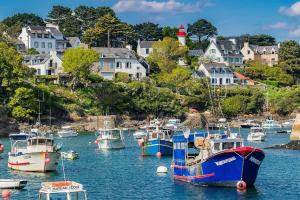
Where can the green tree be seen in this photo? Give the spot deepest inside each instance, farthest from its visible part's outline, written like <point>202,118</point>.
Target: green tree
<point>32,51</point>
<point>77,62</point>
<point>166,54</point>
<point>59,14</point>
<point>289,50</point>
<point>262,40</point>
<point>168,31</point>
<point>122,77</point>
<point>23,104</point>
<point>202,29</point>
<point>148,31</point>
<point>107,25</point>
<point>71,27</point>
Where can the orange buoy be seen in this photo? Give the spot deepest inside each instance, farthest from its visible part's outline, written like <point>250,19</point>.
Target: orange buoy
<point>158,154</point>
<point>241,185</point>
<point>6,194</point>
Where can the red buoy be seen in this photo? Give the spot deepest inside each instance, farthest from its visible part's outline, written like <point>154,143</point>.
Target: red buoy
<point>140,142</point>
<point>6,194</point>
<point>96,142</point>
<point>158,155</point>
<point>241,185</point>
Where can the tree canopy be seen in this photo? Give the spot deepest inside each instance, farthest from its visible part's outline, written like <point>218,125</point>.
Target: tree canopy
<point>262,40</point>
<point>148,31</point>
<point>202,29</point>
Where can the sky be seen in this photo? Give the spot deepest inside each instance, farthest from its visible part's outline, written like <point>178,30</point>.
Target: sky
<point>279,18</point>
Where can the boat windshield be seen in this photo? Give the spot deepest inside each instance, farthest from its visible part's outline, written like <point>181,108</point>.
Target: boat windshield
<point>63,196</point>
<point>256,130</point>
<point>40,141</point>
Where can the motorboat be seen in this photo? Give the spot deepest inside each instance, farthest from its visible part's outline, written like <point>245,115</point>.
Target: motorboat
<point>249,123</point>
<point>68,190</point>
<point>110,138</point>
<point>288,124</point>
<point>215,159</point>
<point>70,155</point>
<point>256,134</point>
<point>35,154</point>
<point>23,135</point>
<point>157,142</point>
<point>271,124</point>
<point>141,133</point>
<point>67,131</point>
<point>173,124</point>
<point>12,184</point>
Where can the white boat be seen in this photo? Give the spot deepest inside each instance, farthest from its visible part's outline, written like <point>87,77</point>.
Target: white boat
<point>36,154</point>
<point>12,184</point>
<point>110,139</point>
<point>67,131</point>
<point>141,133</point>
<point>271,124</point>
<point>288,124</point>
<point>249,123</point>
<point>256,134</point>
<point>63,190</point>
<point>173,124</point>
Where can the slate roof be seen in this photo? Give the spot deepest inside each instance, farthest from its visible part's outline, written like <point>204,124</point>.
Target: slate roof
<point>198,73</point>
<point>228,48</point>
<point>72,41</point>
<point>121,53</point>
<point>217,68</point>
<point>260,49</point>
<point>195,52</point>
<point>146,44</point>
<point>41,57</point>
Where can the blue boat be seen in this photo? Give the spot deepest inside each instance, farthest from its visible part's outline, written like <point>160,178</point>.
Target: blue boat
<point>157,143</point>
<point>215,159</point>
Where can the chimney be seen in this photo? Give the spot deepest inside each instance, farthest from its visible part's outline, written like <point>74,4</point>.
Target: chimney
<point>128,46</point>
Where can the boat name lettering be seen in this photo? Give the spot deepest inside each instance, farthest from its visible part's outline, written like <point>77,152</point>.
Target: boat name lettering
<point>254,160</point>
<point>228,160</point>
<point>65,188</point>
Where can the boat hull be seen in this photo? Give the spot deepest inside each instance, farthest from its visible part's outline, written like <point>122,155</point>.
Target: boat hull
<point>225,169</point>
<point>67,134</point>
<point>256,137</point>
<point>34,162</point>
<point>110,144</point>
<point>12,184</point>
<point>152,147</point>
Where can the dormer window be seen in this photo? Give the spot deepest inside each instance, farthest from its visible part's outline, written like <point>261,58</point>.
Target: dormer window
<point>39,35</point>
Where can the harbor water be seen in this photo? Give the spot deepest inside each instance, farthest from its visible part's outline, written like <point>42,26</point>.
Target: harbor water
<point>124,174</point>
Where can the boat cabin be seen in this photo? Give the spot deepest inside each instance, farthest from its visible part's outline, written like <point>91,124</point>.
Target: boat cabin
<point>256,129</point>
<point>62,190</point>
<point>34,144</point>
<point>201,145</point>
<point>160,134</point>
<point>109,134</point>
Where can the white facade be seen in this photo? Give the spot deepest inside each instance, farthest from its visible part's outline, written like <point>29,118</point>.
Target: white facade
<point>219,74</point>
<point>43,39</point>
<point>47,64</point>
<point>114,60</point>
<point>144,48</point>
<point>225,52</point>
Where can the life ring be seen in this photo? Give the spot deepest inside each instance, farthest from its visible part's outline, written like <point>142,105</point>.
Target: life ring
<point>241,185</point>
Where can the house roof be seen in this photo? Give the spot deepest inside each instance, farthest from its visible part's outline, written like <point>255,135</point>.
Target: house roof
<point>195,52</point>
<point>243,77</point>
<point>261,49</point>
<point>115,53</point>
<point>37,29</point>
<point>146,44</point>
<point>72,41</point>
<point>198,73</point>
<point>229,48</point>
<point>217,68</point>
<point>41,57</point>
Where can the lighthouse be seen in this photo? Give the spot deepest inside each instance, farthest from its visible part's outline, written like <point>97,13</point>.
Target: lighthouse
<point>182,35</point>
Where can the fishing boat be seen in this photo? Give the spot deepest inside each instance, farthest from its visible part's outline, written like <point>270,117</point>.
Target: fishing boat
<point>157,142</point>
<point>67,131</point>
<point>110,138</point>
<point>215,159</point>
<point>12,184</point>
<point>271,124</point>
<point>62,190</point>
<point>249,123</point>
<point>256,134</point>
<point>35,154</point>
<point>70,155</point>
<point>141,133</point>
<point>173,124</point>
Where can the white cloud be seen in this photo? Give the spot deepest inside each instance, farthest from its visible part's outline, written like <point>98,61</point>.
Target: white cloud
<point>154,6</point>
<point>278,25</point>
<point>295,32</point>
<point>293,10</point>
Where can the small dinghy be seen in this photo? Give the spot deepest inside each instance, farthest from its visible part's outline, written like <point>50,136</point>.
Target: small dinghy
<point>12,184</point>
<point>70,155</point>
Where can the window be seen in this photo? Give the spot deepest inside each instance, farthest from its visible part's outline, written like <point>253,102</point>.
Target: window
<point>128,65</point>
<point>238,144</point>
<point>228,80</point>
<point>227,145</point>
<point>231,60</point>
<point>49,45</point>
<point>273,52</point>
<point>213,80</point>
<point>248,52</point>
<point>147,51</point>
<point>39,35</point>
<point>101,64</point>
<point>36,44</point>
<point>46,35</point>
<point>43,45</point>
<point>237,60</point>
<point>119,65</point>
<point>38,72</point>
<point>217,146</point>
<point>111,64</point>
<point>33,35</point>
<point>213,51</point>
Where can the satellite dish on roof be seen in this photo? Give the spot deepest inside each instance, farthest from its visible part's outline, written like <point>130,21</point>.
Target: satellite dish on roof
<point>186,133</point>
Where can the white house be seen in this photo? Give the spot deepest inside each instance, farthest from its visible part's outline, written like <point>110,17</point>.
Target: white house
<point>218,73</point>
<point>114,60</point>
<point>45,64</point>
<point>43,38</point>
<point>144,48</point>
<point>225,51</point>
